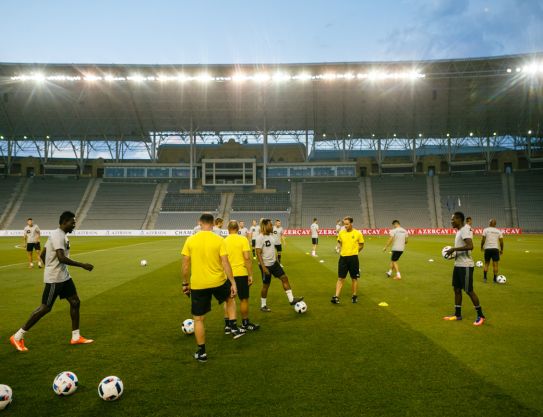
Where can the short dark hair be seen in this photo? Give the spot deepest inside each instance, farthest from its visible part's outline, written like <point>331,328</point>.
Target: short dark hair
<point>233,225</point>
<point>348,218</point>
<point>264,222</point>
<point>395,221</point>
<point>64,217</point>
<point>314,219</point>
<point>459,214</point>
<point>468,218</point>
<point>30,218</point>
<point>218,220</point>
<point>206,218</point>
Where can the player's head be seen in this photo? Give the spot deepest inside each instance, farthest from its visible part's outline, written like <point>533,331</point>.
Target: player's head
<point>468,220</point>
<point>206,220</point>
<point>314,220</point>
<point>492,223</point>
<point>67,222</point>
<point>266,226</point>
<point>254,222</point>
<point>219,222</point>
<point>348,223</point>
<point>338,221</point>
<point>396,223</point>
<point>29,221</point>
<point>241,224</point>
<point>457,219</point>
<point>233,227</point>
<point>277,222</point>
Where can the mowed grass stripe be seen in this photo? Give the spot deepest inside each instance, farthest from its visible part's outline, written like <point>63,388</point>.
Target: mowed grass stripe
<point>349,361</point>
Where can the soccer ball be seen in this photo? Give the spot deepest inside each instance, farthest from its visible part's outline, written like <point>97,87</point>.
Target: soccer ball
<point>300,307</point>
<point>500,279</point>
<point>6,395</point>
<point>479,264</point>
<point>110,388</point>
<point>143,262</point>
<point>444,253</point>
<point>65,383</point>
<point>188,326</point>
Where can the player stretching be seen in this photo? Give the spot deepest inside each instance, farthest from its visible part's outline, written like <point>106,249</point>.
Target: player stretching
<point>267,259</point>
<point>31,234</point>
<point>205,262</point>
<point>239,256</point>
<point>463,269</point>
<point>58,282</point>
<point>351,243</point>
<point>398,238</point>
<point>279,238</point>
<point>492,244</point>
<point>314,236</point>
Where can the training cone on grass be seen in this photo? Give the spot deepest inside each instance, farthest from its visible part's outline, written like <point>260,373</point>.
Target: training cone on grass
<point>383,304</point>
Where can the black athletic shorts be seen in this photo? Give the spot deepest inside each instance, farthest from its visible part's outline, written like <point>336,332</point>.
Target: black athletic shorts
<point>396,254</point>
<point>33,246</point>
<point>276,270</point>
<point>253,243</point>
<point>201,299</point>
<point>278,248</point>
<point>493,254</point>
<point>59,289</point>
<point>463,278</point>
<point>243,287</point>
<point>348,264</point>
<point>315,240</point>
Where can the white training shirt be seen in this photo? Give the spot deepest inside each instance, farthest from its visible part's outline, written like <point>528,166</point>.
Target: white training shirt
<point>217,230</point>
<point>493,236</point>
<point>338,228</point>
<point>243,231</point>
<point>255,232</point>
<point>266,243</point>
<point>314,230</point>
<point>277,234</point>
<point>55,271</point>
<point>399,235</point>
<point>32,233</point>
<point>463,258</point>
<point>196,229</point>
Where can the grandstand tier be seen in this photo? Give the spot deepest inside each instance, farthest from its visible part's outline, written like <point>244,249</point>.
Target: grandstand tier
<point>529,200</point>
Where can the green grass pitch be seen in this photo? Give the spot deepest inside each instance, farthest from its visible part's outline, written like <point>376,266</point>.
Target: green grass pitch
<point>359,360</point>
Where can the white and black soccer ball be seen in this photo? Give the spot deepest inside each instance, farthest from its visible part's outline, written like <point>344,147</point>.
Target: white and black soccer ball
<point>445,255</point>
<point>110,388</point>
<point>65,383</point>
<point>479,264</point>
<point>188,326</point>
<point>300,307</point>
<point>6,395</point>
<point>500,279</point>
<point>143,262</point>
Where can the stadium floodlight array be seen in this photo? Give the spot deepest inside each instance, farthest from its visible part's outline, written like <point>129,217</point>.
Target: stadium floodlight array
<point>259,77</point>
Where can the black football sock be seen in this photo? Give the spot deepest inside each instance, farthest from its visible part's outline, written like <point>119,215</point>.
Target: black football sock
<point>479,311</point>
<point>457,311</point>
<point>202,348</point>
<point>485,274</point>
<point>226,321</point>
<point>245,321</point>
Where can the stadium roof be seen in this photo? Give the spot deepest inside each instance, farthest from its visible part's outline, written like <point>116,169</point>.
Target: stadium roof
<point>332,100</point>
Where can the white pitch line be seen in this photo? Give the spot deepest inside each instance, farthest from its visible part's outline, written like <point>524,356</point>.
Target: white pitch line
<point>86,253</point>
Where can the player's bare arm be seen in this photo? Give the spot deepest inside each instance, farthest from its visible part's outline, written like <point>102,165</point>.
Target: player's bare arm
<point>185,272</point>
<point>230,275</point>
<point>261,261</point>
<point>62,258</point>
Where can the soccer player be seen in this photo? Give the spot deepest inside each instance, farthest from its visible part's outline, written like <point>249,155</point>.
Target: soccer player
<point>197,228</point>
<point>243,231</point>
<point>267,260</point>
<point>58,282</point>
<point>279,238</point>
<point>205,262</point>
<point>239,256</point>
<point>217,228</point>
<point>469,220</point>
<point>398,239</point>
<point>492,244</point>
<point>31,234</point>
<point>351,243</point>
<point>314,236</point>
<point>254,231</point>
<point>463,269</point>
<point>339,227</point>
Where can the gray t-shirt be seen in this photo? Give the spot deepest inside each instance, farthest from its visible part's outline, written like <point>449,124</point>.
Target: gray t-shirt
<point>243,231</point>
<point>277,235</point>
<point>55,271</point>
<point>255,232</point>
<point>32,233</point>
<point>314,230</point>
<point>493,236</point>
<point>266,243</point>
<point>399,236</point>
<point>463,258</point>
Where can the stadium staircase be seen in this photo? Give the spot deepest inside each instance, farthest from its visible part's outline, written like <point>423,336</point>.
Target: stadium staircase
<point>296,194</point>
<point>154,209</point>
<point>432,202</point>
<point>88,198</point>
<point>10,192</point>
<point>364,204</point>
<point>226,207</point>
<point>369,201</point>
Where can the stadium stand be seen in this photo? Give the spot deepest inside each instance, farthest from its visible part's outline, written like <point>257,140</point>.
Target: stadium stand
<point>46,198</point>
<point>7,187</point>
<point>175,221</point>
<point>279,184</point>
<point>193,202</point>
<point>400,197</point>
<point>279,201</point>
<point>529,200</point>
<point>328,201</point>
<point>248,216</point>
<point>476,195</point>
<point>119,206</point>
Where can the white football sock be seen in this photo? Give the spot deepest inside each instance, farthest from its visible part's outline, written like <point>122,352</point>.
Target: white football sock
<point>289,295</point>
<point>75,334</point>
<point>20,335</point>
<point>262,302</point>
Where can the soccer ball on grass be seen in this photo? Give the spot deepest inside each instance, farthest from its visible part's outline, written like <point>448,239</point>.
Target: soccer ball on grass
<point>6,395</point>
<point>110,388</point>
<point>143,262</point>
<point>65,383</point>
<point>500,279</point>
<point>300,307</point>
<point>188,326</point>
<point>479,264</point>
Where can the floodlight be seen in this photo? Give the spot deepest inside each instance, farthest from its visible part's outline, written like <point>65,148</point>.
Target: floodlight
<point>394,135</point>
<point>373,135</point>
<point>47,137</point>
<point>281,76</point>
<point>261,77</point>
<point>529,132</point>
<point>471,133</point>
<point>448,135</point>
<point>303,76</point>
<point>24,137</point>
<point>1,137</point>
<point>494,133</point>
<point>349,135</point>
<point>509,70</point>
<point>420,135</point>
